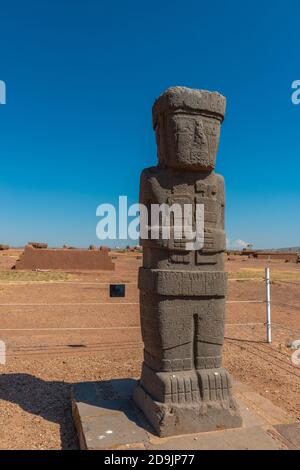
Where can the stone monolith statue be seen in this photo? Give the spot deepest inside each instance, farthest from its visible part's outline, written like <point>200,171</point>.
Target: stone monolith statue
<point>183,386</point>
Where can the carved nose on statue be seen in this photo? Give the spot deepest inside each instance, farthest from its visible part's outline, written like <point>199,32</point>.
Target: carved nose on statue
<point>184,140</point>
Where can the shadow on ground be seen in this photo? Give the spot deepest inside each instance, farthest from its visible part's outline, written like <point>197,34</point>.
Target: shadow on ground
<point>114,395</point>
<point>49,400</point>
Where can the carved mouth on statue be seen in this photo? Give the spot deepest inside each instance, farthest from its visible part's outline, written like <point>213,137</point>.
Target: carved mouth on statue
<point>194,163</point>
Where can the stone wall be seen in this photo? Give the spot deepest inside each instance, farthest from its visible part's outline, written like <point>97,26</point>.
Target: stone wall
<point>64,259</point>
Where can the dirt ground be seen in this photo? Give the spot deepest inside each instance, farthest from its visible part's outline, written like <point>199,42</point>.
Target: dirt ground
<point>62,328</point>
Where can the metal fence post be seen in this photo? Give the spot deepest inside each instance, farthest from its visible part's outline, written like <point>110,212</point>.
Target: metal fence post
<point>268,304</point>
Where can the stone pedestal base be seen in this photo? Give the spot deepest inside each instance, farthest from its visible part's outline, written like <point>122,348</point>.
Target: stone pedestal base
<point>106,419</point>
<point>188,401</point>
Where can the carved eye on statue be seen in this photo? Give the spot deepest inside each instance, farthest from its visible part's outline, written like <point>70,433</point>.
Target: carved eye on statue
<point>201,138</point>
<point>185,125</point>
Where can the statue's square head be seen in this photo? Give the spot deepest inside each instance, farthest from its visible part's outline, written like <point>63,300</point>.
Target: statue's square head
<point>187,125</point>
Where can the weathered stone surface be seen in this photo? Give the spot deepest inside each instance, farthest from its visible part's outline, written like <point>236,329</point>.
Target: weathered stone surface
<point>291,432</point>
<point>104,415</point>
<point>4,247</point>
<point>199,416</point>
<point>39,245</point>
<point>183,283</point>
<point>183,387</point>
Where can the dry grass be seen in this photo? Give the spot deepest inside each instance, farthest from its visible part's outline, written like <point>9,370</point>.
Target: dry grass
<point>275,275</point>
<point>29,276</point>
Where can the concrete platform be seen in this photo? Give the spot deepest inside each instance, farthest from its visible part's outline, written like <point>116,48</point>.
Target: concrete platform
<point>106,418</point>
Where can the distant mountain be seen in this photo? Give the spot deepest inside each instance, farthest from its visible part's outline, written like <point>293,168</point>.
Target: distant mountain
<point>291,249</point>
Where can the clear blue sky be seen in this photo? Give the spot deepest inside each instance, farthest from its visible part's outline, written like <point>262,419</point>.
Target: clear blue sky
<point>81,78</point>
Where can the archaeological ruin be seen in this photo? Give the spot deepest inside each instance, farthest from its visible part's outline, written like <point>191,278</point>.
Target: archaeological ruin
<point>39,256</point>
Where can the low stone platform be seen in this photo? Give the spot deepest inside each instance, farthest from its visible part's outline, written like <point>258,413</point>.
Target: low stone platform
<point>106,418</point>
<point>64,259</point>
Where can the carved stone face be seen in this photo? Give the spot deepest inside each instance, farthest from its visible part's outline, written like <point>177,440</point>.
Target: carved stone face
<point>188,141</point>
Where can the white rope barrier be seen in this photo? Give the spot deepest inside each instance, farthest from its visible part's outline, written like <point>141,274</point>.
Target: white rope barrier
<point>68,304</point>
<point>267,301</point>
